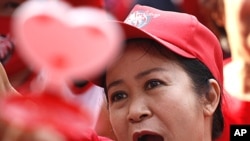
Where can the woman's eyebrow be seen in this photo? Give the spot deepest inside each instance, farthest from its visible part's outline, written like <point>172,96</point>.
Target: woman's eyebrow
<point>114,83</point>
<point>147,72</point>
<point>138,76</point>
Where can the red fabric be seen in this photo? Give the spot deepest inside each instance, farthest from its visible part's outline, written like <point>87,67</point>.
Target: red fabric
<point>193,7</point>
<point>190,6</point>
<point>95,3</point>
<point>4,25</point>
<point>235,111</point>
<point>119,8</point>
<point>14,64</point>
<point>34,111</point>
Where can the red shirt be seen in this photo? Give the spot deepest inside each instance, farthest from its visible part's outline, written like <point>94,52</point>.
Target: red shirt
<point>235,111</point>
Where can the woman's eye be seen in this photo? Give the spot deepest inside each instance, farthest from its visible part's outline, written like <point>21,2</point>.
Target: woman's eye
<point>118,96</point>
<point>153,83</point>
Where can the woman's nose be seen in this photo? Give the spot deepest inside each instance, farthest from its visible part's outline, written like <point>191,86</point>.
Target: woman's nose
<point>138,111</point>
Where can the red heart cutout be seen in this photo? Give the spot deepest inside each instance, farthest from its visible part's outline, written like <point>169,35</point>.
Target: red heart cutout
<point>65,42</point>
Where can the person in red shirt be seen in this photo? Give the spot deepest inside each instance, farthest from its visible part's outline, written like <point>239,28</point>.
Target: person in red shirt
<point>233,17</point>
<point>164,68</point>
<point>167,83</point>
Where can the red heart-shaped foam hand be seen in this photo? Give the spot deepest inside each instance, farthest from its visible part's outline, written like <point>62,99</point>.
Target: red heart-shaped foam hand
<point>65,42</point>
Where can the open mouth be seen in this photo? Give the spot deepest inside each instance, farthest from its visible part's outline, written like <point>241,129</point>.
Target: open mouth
<point>148,137</point>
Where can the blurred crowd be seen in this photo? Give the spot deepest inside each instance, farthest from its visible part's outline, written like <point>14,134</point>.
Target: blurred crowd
<point>228,20</point>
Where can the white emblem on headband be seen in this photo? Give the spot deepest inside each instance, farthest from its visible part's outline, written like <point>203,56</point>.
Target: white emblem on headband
<point>140,18</point>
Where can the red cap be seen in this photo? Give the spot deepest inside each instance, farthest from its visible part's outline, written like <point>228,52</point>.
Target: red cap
<point>179,32</point>
<point>95,3</point>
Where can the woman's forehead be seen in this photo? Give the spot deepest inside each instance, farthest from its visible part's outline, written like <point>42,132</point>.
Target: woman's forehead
<point>138,58</point>
<point>147,46</point>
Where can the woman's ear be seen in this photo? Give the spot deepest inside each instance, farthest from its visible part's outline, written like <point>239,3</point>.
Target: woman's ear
<point>212,98</point>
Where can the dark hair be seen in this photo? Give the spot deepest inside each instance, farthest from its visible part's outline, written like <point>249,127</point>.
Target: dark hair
<point>197,71</point>
<point>200,76</point>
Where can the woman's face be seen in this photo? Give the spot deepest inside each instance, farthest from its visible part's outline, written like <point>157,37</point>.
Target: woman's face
<point>149,95</point>
<point>7,7</point>
<point>237,25</point>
